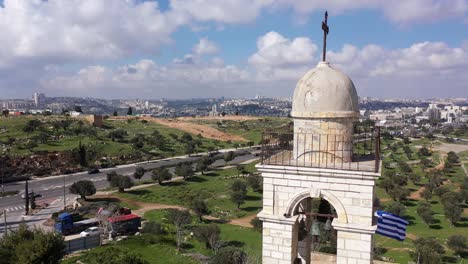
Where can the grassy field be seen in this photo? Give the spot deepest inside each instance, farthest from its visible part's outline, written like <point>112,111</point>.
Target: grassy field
<point>246,238</point>
<point>157,253</point>
<point>163,250</point>
<point>212,187</point>
<point>441,229</point>
<point>60,139</point>
<point>174,146</point>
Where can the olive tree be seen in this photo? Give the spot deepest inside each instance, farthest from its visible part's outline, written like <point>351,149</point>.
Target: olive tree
<point>200,208</point>
<point>427,250</point>
<point>180,219</point>
<point>160,175</point>
<point>139,172</point>
<point>83,188</point>
<point>238,192</point>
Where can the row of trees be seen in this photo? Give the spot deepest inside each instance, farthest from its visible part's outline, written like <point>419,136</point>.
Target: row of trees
<point>450,200</point>
<point>428,250</point>
<point>86,188</point>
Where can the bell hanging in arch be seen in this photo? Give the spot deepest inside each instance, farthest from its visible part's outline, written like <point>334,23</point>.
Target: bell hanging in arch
<point>328,225</point>
<point>315,229</point>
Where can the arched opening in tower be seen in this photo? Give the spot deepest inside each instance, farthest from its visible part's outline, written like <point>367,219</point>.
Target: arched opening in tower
<point>316,237</point>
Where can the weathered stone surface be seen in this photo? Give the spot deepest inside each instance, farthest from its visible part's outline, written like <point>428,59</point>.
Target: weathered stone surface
<point>351,197</point>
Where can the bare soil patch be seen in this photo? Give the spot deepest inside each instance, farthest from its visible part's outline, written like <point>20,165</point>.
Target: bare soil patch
<point>205,130</point>
<point>446,147</point>
<point>416,195</point>
<point>244,221</point>
<point>231,118</point>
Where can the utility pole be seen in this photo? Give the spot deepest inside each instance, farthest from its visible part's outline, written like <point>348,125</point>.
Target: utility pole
<point>26,196</point>
<point>64,194</point>
<point>5,222</point>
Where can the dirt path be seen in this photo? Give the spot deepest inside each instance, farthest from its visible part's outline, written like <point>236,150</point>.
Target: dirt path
<point>205,130</point>
<point>416,195</point>
<point>244,221</point>
<point>231,118</point>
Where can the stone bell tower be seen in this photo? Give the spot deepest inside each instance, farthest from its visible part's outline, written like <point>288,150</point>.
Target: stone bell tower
<point>325,159</point>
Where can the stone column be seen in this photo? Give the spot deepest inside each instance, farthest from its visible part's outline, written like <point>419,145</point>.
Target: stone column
<point>279,239</point>
<point>354,244</point>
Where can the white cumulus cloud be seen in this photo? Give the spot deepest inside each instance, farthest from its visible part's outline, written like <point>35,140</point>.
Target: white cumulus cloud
<point>420,70</point>
<point>205,46</point>
<point>397,11</point>
<point>58,31</point>
<point>225,11</point>
<point>148,79</point>
<point>274,49</point>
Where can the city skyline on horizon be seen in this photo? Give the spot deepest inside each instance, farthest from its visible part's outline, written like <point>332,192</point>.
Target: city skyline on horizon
<point>176,50</point>
<point>255,97</point>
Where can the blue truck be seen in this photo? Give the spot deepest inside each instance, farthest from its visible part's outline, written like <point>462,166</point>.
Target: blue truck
<point>65,225</point>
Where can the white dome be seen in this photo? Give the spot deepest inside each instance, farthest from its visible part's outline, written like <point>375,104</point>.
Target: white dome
<point>325,92</point>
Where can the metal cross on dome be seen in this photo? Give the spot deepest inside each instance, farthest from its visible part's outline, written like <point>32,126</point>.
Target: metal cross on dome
<point>325,33</point>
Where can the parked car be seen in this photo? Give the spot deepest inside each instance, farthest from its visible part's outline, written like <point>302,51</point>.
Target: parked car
<point>91,232</point>
<point>31,194</point>
<point>93,171</point>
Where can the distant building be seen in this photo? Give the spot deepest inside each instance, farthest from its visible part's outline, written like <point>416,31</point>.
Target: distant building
<point>434,113</point>
<point>381,116</point>
<point>38,98</point>
<point>432,106</point>
<point>98,121</point>
<point>214,110</point>
<point>74,113</point>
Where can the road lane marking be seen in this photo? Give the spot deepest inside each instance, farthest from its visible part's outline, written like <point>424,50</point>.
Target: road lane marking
<point>15,208</point>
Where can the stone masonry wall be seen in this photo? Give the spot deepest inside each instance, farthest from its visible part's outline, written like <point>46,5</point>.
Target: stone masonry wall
<point>351,193</point>
<point>320,141</point>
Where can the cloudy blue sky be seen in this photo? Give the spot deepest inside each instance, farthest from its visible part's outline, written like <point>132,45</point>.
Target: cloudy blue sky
<point>232,48</point>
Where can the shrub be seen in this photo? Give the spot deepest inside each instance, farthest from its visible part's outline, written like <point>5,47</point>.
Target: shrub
<point>153,228</point>
<point>396,208</point>
<point>229,255</point>
<point>210,235</point>
<point>257,224</point>
<point>199,207</point>
<point>427,250</point>
<point>238,192</point>
<point>255,182</point>
<point>457,243</point>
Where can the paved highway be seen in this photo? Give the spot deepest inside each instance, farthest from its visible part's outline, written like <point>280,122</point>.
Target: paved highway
<point>51,188</point>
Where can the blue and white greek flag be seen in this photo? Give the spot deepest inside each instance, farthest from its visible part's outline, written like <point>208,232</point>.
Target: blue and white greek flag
<point>391,225</point>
